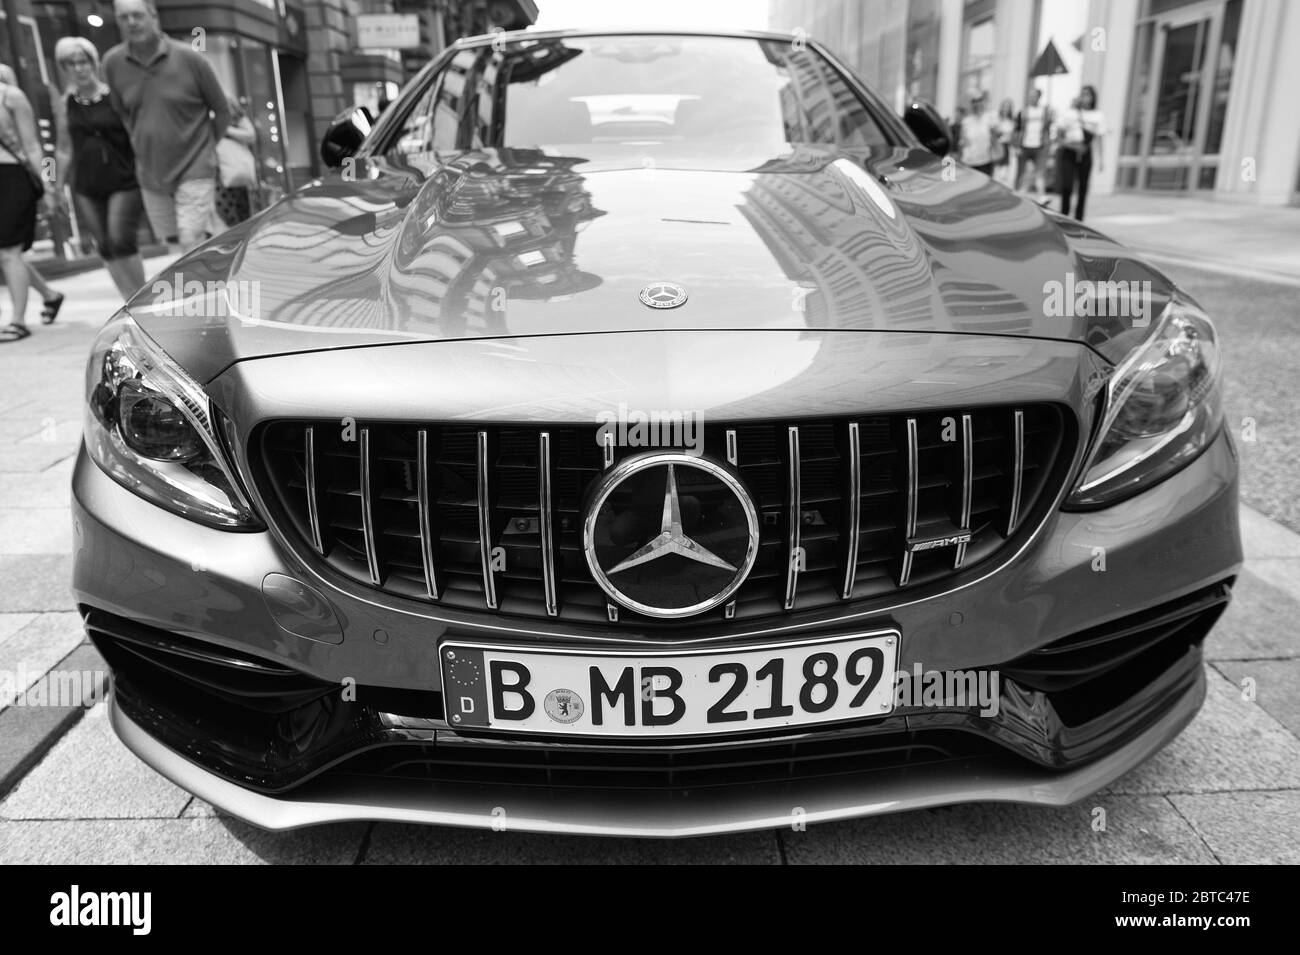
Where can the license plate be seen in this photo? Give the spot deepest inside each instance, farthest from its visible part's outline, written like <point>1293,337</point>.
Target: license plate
<point>669,692</point>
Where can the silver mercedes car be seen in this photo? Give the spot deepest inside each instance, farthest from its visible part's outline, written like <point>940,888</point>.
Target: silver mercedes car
<point>651,434</point>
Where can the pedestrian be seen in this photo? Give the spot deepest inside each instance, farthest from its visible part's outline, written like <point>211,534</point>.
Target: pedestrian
<point>96,159</point>
<point>1081,131</point>
<point>175,111</point>
<point>51,300</point>
<point>954,130</point>
<point>1004,169</point>
<point>237,169</point>
<point>22,189</point>
<point>979,136</point>
<point>1033,130</point>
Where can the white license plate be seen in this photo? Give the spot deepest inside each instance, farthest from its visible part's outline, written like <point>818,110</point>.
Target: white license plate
<point>669,692</point>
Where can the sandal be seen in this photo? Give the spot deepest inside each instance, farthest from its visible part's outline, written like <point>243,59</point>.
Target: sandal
<point>13,333</point>
<point>51,310</point>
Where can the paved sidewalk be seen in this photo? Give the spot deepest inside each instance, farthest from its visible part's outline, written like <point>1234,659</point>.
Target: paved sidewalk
<point>1248,240</point>
<point>41,401</point>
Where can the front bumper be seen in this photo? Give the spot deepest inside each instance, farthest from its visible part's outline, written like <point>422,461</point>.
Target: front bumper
<point>1079,575</point>
<point>645,814</point>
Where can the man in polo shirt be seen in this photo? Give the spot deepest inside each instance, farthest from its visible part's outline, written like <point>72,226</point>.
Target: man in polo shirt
<point>173,106</point>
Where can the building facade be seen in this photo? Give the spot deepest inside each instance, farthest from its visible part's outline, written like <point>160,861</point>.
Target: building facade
<point>1197,94</point>
<point>293,65</point>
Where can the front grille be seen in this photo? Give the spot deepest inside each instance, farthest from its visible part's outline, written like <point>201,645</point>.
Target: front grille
<point>490,517</point>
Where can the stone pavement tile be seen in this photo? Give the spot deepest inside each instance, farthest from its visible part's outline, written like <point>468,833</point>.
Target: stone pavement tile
<point>403,844</point>
<point>1140,830</point>
<point>26,735</point>
<point>28,730</point>
<point>54,429</point>
<point>89,774</point>
<point>13,400</point>
<point>198,807</point>
<point>1282,573</point>
<point>37,647</point>
<point>1232,744</point>
<point>11,623</point>
<point>173,842</point>
<point>15,427</point>
<point>36,582</point>
<point>1262,537</point>
<point>34,457</point>
<point>1247,828</point>
<point>1261,621</point>
<point>49,488</point>
<point>1277,687</point>
<point>39,530</point>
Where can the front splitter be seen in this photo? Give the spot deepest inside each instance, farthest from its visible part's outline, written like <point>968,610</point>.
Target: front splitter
<point>660,814</point>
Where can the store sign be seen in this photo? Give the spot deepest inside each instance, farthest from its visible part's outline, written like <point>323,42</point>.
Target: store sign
<point>388,31</point>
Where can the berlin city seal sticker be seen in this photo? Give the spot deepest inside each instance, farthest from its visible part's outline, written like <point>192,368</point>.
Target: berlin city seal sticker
<point>563,706</point>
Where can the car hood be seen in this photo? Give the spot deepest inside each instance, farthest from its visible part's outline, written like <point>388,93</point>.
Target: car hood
<point>519,243</point>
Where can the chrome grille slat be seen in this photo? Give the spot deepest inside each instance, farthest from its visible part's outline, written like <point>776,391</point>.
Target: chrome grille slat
<point>795,517</point>
<point>313,501</point>
<point>424,503</point>
<point>368,510</point>
<point>909,516</point>
<point>967,479</point>
<point>1017,469</point>
<point>544,523</point>
<point>485,522</point>
<point>853,509</point>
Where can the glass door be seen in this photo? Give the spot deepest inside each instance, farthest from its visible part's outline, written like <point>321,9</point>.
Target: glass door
<point>1175,116</point>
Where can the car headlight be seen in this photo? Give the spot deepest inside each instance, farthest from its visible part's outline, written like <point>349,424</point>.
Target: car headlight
<point>1162,409</point>
<point>150,427</point>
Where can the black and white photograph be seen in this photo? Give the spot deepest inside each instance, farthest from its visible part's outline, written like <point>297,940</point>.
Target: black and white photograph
<point>721,432</point>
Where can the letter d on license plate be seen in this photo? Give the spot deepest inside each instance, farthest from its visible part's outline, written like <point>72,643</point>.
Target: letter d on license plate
<point>669,692</point>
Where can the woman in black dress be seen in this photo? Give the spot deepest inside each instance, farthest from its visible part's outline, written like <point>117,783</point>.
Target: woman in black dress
<point>95,156</point>
<point>20,163</point>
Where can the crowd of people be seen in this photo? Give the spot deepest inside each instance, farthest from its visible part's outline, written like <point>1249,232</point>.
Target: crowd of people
<point>147,132</point>
<point>1019,148</point>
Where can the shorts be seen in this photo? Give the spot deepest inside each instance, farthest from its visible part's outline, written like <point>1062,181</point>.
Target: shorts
<point>18,204</point>
<point>186,212</point>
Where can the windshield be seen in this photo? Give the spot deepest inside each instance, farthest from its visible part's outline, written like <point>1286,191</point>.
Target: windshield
<point>650,98</point>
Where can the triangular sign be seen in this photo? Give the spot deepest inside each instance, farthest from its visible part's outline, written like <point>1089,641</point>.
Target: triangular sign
<point>1048,62</point>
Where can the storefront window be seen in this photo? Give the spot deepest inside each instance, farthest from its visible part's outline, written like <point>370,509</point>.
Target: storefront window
<point>1135,117</point>
<point>1223,76</point>
<point>923,50</point>
<point>263,106</point>
<point>977,64</point>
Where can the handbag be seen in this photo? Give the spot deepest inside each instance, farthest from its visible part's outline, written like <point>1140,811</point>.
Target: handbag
<point>33,177</point>
<point>236,166</point>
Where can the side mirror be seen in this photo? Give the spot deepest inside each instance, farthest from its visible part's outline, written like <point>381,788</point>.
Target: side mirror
<point>924,120</point>
<point>344,135</point>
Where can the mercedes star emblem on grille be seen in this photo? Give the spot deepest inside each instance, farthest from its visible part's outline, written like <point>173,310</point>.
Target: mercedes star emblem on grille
<point>669,534</point>
<point>663,295</point>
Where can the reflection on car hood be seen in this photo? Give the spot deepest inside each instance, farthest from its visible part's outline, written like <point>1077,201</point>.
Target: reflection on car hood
<point>511,243</point>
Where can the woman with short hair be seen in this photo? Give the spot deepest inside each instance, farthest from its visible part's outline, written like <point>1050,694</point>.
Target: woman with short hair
<point>95,156</point>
